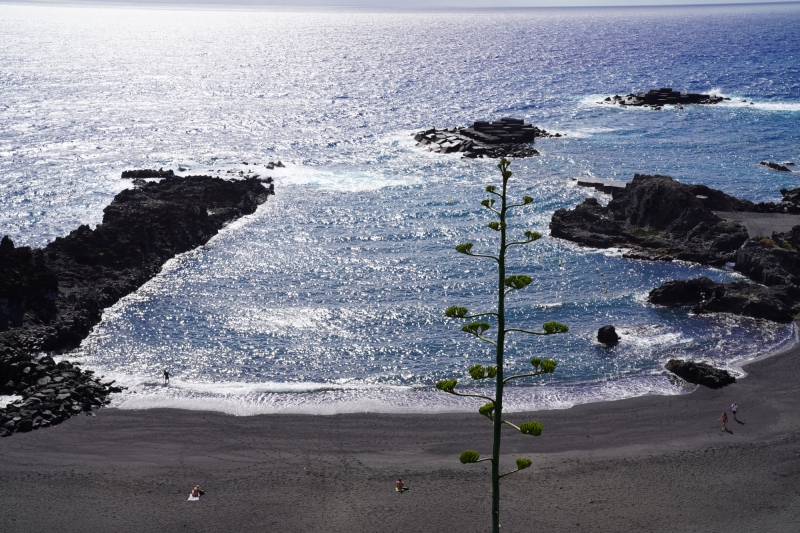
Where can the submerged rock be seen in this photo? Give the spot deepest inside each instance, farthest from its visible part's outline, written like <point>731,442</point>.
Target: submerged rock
<point>776,166</point>
<point>700,373</point>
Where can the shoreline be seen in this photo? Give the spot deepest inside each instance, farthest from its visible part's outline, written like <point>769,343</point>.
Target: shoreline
<point>382,405</point>
<point>655,463</point>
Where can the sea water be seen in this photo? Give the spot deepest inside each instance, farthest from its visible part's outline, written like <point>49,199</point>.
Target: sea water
<point>330,297</point>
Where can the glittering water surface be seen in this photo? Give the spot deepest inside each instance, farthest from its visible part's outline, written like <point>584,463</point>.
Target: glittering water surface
<point>330,297</point>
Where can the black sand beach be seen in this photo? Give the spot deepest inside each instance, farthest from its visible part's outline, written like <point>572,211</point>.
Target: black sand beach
<point>644,464</point>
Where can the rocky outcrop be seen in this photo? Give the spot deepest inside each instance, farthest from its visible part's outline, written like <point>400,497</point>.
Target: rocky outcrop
<point>50,298</point>
<point>508,137</point>
<point>659,217</point>
<point>700,373</point>
<point>791,196</point>
<point>607,335</point>
<point>657,98</point>
<point>740,298</point>
<point>776,166</point>
<point>774,262</point>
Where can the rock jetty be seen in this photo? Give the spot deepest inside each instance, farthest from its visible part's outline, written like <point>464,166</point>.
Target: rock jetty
<point>657,98</point>
<point>657,218</point>
<point>50,298</point>
<point>508,137</point>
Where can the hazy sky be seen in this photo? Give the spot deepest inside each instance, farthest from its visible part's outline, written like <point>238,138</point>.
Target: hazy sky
<point>422,3</point>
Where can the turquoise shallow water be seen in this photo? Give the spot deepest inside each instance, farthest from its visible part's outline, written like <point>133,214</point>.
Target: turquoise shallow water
<point>330,298</point>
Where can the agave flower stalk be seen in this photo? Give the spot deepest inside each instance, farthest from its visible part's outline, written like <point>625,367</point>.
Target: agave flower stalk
<point>493,409</point>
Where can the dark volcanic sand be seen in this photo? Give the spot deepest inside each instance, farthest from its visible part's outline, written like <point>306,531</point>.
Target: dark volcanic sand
<point>645,464</point>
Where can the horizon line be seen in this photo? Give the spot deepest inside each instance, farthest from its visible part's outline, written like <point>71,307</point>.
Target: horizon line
<point>222,4</point>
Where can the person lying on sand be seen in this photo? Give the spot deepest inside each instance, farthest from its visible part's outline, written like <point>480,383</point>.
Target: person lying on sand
<point>196,493</point>
<point>399,486</point>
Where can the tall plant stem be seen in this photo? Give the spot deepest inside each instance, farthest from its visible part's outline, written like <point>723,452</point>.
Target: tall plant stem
<point>498,403</point>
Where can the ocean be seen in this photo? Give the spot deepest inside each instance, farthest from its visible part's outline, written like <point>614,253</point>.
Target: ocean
<point>330,298</point>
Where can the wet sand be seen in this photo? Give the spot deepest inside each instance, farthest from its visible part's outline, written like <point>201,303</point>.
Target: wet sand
<point>644,464</point>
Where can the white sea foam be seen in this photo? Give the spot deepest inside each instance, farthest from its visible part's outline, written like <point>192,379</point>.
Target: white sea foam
<point>341,180</point>
<point>761,105</point>
<point>10,398</point>
<point>583,133</point>
<point>245,399</point>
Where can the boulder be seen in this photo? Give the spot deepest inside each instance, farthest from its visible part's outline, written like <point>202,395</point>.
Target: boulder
<point>607,335</point>
<point>700,373</point>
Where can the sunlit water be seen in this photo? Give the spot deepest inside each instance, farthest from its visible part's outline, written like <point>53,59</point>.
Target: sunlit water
<point>330,297</point>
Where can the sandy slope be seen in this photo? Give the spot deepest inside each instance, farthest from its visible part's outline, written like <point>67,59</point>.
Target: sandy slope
<point>646,464</point>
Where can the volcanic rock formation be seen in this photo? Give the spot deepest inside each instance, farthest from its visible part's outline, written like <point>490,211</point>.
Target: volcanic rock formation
<point>50,298</point>
<point>508,137</point>
<point>658,218</point>
<point>656,98</point>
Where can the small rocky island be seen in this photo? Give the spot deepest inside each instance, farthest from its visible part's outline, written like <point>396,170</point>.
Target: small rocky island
<point>658,218</point>
<point>51,298</point>
<point>657,98</point>
<point>508,137</point>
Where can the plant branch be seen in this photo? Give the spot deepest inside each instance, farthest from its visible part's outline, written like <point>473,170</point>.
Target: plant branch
<point>518,243</point>
<point>481,314</point>
<point>528,331</point>
<point>509,423</point>
<point>471,396</point>
<point>508,473</point>
<point>490,341</point>
<point>539,373</point>
<point>481,255</point>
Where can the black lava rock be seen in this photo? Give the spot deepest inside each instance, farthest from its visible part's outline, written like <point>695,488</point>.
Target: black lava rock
<point>508,137</point>
<point>657,98</point>
<point>52,297</point>
<point>776,166</point>
<point>607,335</point>
<point>739,298</point>
<point>659,216</point>
<point>700,373</point>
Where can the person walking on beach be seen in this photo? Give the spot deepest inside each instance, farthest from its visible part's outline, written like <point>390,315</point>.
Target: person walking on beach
<point>166,377</point>
<point>734,410</point>
<point>724,420</point>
